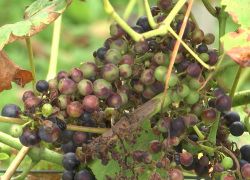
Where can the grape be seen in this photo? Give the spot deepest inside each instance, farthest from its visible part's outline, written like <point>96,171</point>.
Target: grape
<point>160,73</point>
<point>155,176</point>
<point>173,80</point>
<point>124,97</point>
<point>59,122</point>
<point>102,88</point>
<point>209,115</point>
<point>147,158</point>
<point>137,29</point>
<point>153,45</point>
<point>127,59</point>
<point>197,36</point>
<point>192,98</point>
<point>63,101</point>
<point>76,74</point>
<point>231,117</point>
<point>209,39</point>
<point>69,147</point>
<point>194,83</point>
<point>190,120</point>
<point>193,137</point>
<point>79,138</point>
<point>202,48</point>
<point>204,57</point>
<point>141,47</point>
<point>125,70</point>
<point>176,174</point>
<point>223,103</point>
<point>182,66</point>
<point>197,109</point>
<point>42,86</point>
<point>85,87</point>
<point>74,109</point>
<point>174,96</point>
<point>138,155</point>
<point>147,77</point>
<point>213,57</point>
<point>155,10</point>
<point>218,92</point>
<point>11,110</point>
<point>16,130</point>
<point>110,72</point>
<point>148,92</point>
<point>137,86</point>
<point>183,90</point>
<point>67,86</point>
<point>29,137</point>
<point>245,171</point>
<point>177,127</point>
<point>201,171</point>
<point>89,70</point>
<point>100,53</point>
<point>114,100</point>
<point>49,132</point>
<point>47,110</point>
<point>68,175</point>
<point>32,102</point>
<point>227,176</point>
<point>65,136</point>
<point>163,125</point>
<point>62,75</point>
<point>90,103</point>
<point>84,175</point>
<point>179,58</point>
<point>186,159</point>
<point>143,22</point>
<point>70,161</point>
<point>120,44</point>
<point>161,58</point>
<point>237,128</point>
<point>204,161</point>
<point>218,168</point>
<point>227,163</point>
<point>27,94</point>
<point>116,31</point>
<point>53,83</point>
<point>194,70</point>
<point>242,162</point>
<point>245,152</point>
<point>113,56</point>
<point>164,5</point>
<point>155,146</point>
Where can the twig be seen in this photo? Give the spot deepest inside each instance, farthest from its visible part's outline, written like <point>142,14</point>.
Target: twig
<point>54,48</point>
<point>129,9</point>
<point>209,7</point>
<point>235,83</point>
<point>151,20</point>
<point>15,163</point>
<point>199,133</point>
<point>175,51</point>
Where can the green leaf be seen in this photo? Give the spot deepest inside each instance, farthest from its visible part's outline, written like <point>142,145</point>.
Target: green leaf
<point>37,16</point>
<point>237,46</point>
<point>4,156</point>
<point>239,11</point>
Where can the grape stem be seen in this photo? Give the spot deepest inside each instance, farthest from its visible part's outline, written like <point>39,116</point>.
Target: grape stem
<point>210,8</point>
<point>151,20</point>
<point>222,26</point>
<point>31,61</point>
<point>199,133</point>
<point>235,83</point>
<point>129,9</point>
<point>15,163</point>
<point>54,48</point>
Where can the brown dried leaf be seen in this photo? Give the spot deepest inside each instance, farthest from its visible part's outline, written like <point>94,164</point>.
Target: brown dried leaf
<point>11,72</point>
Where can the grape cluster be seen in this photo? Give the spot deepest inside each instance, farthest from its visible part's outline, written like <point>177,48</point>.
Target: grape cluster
<point>124,75</point>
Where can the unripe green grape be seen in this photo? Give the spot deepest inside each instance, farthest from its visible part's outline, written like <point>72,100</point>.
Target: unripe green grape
<point>110,72</point>
<point>47,110</point>
<point>209,39</point>
<point>227,162</point>
<point>173,80</point>
<point>16,130</point>
<point>160,73</point>
<point>175,97</point>
<point>204,57</point>
<point>113,56</point>
<point>102,88</point>
<point>85,87</point>
<point>124,97</point>
<point>197,36</point>
<point>164,124</point>
<point>194,83</point>
<point>183,90</point>
<point>161,59</point>
<point>89,70</point>
<point>63,101</point>
<point>192,98</point>
<point>125,70</point>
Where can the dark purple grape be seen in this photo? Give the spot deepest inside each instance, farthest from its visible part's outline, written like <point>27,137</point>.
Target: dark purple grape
<point>211,102</point>
<point>49,131</point>
<point>155,146</point>
<point>143,22</point>
<point>141,47</point>
<point>116,31</point>
<point>90,103</point>
<point>155,10</point>
<point>84,175</point>
<point>62,75</point>
<point>245,152</point>
<point>209,115</point>
<point>70,162</point>
<point>11,110</point>
<point>194,70</point>
<point>242,162</point>
<point>137,29</point>
<point>85,87</point>
<point>80,137</point>
<point>147,77</point>
<point>237,128</point>
<point>59,122</point>
<point>89,70</point>
<point>202,48</point>
<point>204,161</point>
<point>223,103</point>
<point>160,18</point>
<point>175,174</point>
<point>114,100</point>
<point>86,120</point>
<point>245,171</point>
<point>127,59</point>
<point>197,36</point>
<point>28,94</point>
<point>201,171</point>
<point>193,137</point>
<point>67,86</point>
<point>177,127</point>
<point>182,66</point>
<point>138,155</point>
<point>69,147</point>
<point>76,74</point>
<point>153,45</point>
<point>68,175</point>
<point>102,88</point>
<point>29,137</point>
<point>42,86</point>
<point>213,57</point>
<point>186,159</point>
<point>113,56</point>
<point>74,109</point>
<point>110,72</point>
<point>218,92</point>
<point>231,117</point>
<point>209,39</point>
<point>100,53</point>
<point>218,168</point>
<point>164,5</point>
<point>65,136</point>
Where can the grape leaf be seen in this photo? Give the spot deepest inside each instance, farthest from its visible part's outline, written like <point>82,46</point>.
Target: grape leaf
<point>239,11</point>
<point>237,46</point>
<point>36,17</point>
<point>4,156</point>
<point>11,72</point>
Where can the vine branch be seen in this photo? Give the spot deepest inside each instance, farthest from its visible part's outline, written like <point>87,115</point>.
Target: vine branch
<point>209,7</point>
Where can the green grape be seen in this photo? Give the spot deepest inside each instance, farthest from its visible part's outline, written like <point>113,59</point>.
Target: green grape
<point>194,83</point>
<point>192,98</point>
<point>183,90</point>
<point>160,73</point>
<point>204,57</point>
<point>175,97</point>
<point>227,163</point>
<point>16,130</point>
<point>47,110</point>
<point>173,80</point>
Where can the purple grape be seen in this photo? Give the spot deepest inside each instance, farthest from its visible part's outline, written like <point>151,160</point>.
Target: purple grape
<point>32,102</point>
<point>49,132</point>
<point>53,83</point>
<point>120,44</point>
<point>231,117</point>
<point>190,120</point>
<point>125,70</point>
<point>209,115</point>
<point>141,47</point>
<point>69,147</point>
<point>202,48</point>
<point>194,70</point>
<point>165,5</point>
<point>62,75</point>
<point>29,137</point>
<point>42,86</point>
<point>74,109</point>
<point>27,94</point>
<point>148,92</point>
<point>70,162</point>
<point>213,57</point>
<point>137,86</point>
<point>147,77</point>
<point>127,59</point>
<point>114,100</point>
<point>155,146</point>
<point>11,110</point>
<point>65,136</point>
<point>76,74</point>
<point>90,103</point>
<point>84,175</point>
<point>89,70</point>
<point>79,138</point>
<point>143,22</point>
<point>68,175</point>
<point>100,53</point>
<point>223,103</point>
<point>245,171</point>
<point>67,86</point>
<point>186,159</point>
<point>102,88</point>
<point>85,87</point>
<point>116,31</point>
<point>155,10</point>
<point>110,72</point>
<point>175,174</point>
